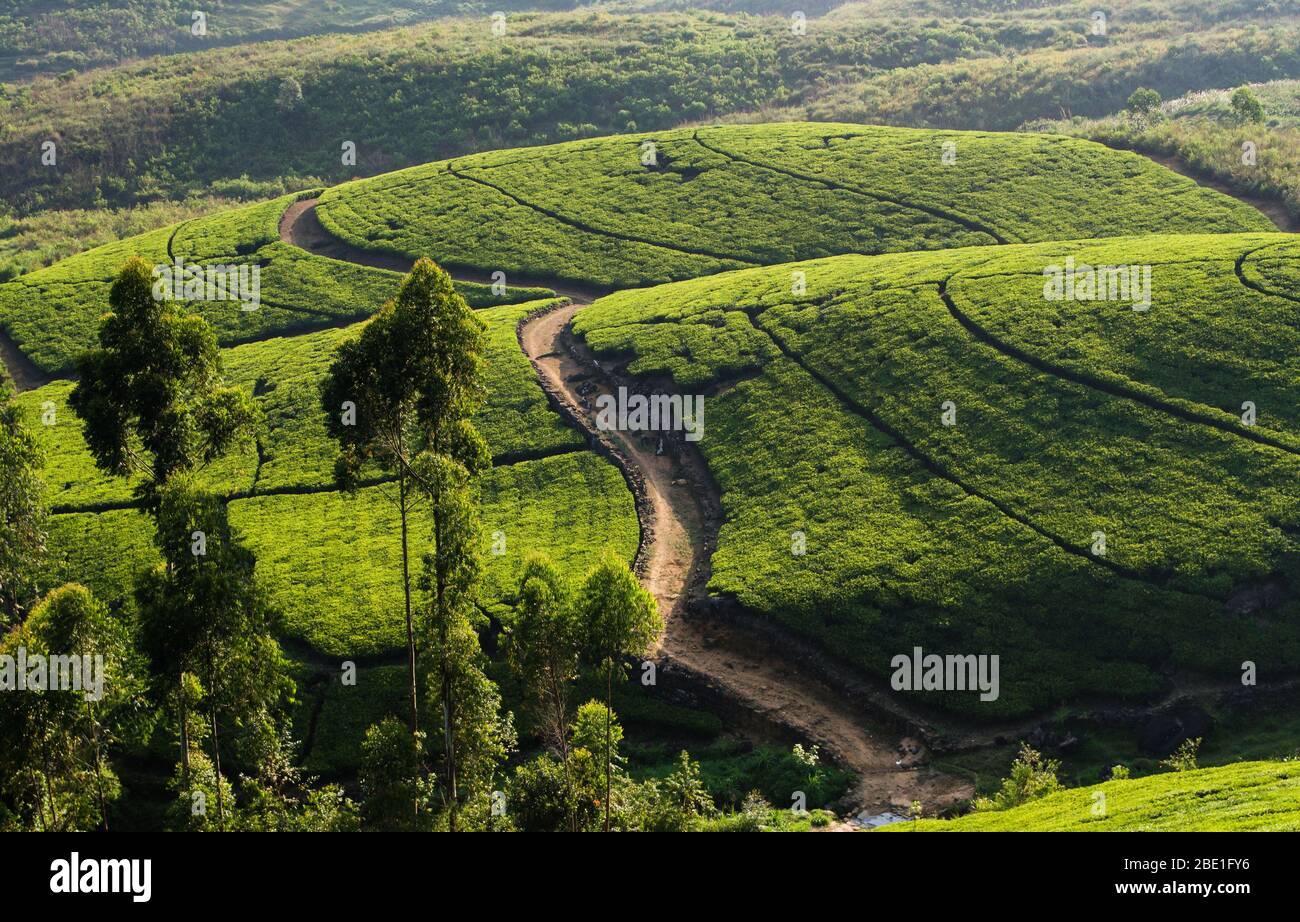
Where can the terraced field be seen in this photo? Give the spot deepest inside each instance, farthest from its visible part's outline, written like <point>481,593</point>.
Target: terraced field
<point>629,211</point>
<point>51,314</point>
<point>828,420</point>
<point>1245,797</point>
<point>329,558</point>
<point>840,288</point>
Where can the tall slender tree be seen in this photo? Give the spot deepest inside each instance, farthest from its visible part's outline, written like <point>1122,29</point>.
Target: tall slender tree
<point>55,772</point>
<point>153,405</point>
<point>22,511</point>
<point>204,614</point>
<point>543,644</point>
<point>619,619</point>
<point>405,386</point>
<point>475,737</point>
<point>150,397</point>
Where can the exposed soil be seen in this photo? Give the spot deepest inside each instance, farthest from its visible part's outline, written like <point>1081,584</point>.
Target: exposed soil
<point>21,371</point>
<point>1272,209</point>
<point>677,538</point>
<point>759,679</point>
<point>715,657</point>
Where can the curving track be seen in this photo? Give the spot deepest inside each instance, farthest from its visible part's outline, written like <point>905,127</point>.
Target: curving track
<point>677,539</point>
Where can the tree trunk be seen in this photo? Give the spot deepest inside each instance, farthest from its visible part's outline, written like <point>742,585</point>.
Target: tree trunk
<point>49,793</point>
<point>609,705</point>
<point>216,750</point>
<point>406,592</point>
<point>448,729</point>
<point>216,765</point>
<point>560,729</point>
<point>99,770</point>
<point>185,731</point>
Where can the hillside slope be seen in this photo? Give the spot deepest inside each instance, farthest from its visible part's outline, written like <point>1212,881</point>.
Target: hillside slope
<point>626,211</point>
<point>972,468</point>
<point>1244,797</point>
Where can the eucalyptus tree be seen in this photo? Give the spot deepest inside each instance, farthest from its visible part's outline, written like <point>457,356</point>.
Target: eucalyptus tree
<point>203,614</point>
<point>543,643</point>
<point>22,510</point>
<point>619,619</point>
<point>404,387</point>
<point>153,406</point>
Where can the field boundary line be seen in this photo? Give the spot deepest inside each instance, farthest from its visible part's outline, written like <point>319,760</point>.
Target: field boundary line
<point>1239,268</point>
<point>588,229</point>
<point>1187,411</point>
<point>939,470</point>
<point>952,217</point>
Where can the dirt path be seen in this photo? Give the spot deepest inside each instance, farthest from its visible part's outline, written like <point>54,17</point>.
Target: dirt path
<point>769,692</point>
<point>20,370</point>
<point>300,226</point>
<point>673,564</point>
<point>749,672</point>
<point>1272,209</point>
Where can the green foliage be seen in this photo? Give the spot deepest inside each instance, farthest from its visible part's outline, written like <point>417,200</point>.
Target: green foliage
<point>328,560</point>
<point>22,509</point>
<point>53,312</point>
<point>1071,417</point>
<point>1032,777</point>
<point>1205,133</point>
<point>543,646</point>
<point>1246,796</point>
<point>1246,106</point>
<point>56,764</point>
<point>145,130</point>
<point>1001,93</point>
<point>676,804</point>
<point>1143,101</point>
<point>791,191</point>
<point>150,396</point>
<point>198,789</point>
<point>540,799</point>
<point>1184,757</point>
<point>396,793</point>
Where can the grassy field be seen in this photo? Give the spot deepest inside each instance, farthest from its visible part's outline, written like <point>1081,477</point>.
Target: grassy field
<point>1195,505</point>
<point>720,198</point>
<point>982,536</point>
<point>331,561</point>
<point>53,313</point>
<point>1244,797</point>
<point>842,288</point>
<point>283,374</point>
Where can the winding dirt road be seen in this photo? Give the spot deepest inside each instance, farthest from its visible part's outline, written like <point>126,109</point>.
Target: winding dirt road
<point>736,664</point>
<point>759,687</point>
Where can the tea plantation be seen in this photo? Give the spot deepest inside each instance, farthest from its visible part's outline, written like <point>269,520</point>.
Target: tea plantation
<point>913,446</point>
<point>1244,797</point>
<point>52,314</point>
<point>632,210</point>
<point>954,491</point>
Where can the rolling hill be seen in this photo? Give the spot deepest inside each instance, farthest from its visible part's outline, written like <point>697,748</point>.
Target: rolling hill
<point>830,288</point>
<point>630,211</point>
<point>1072,420</point>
